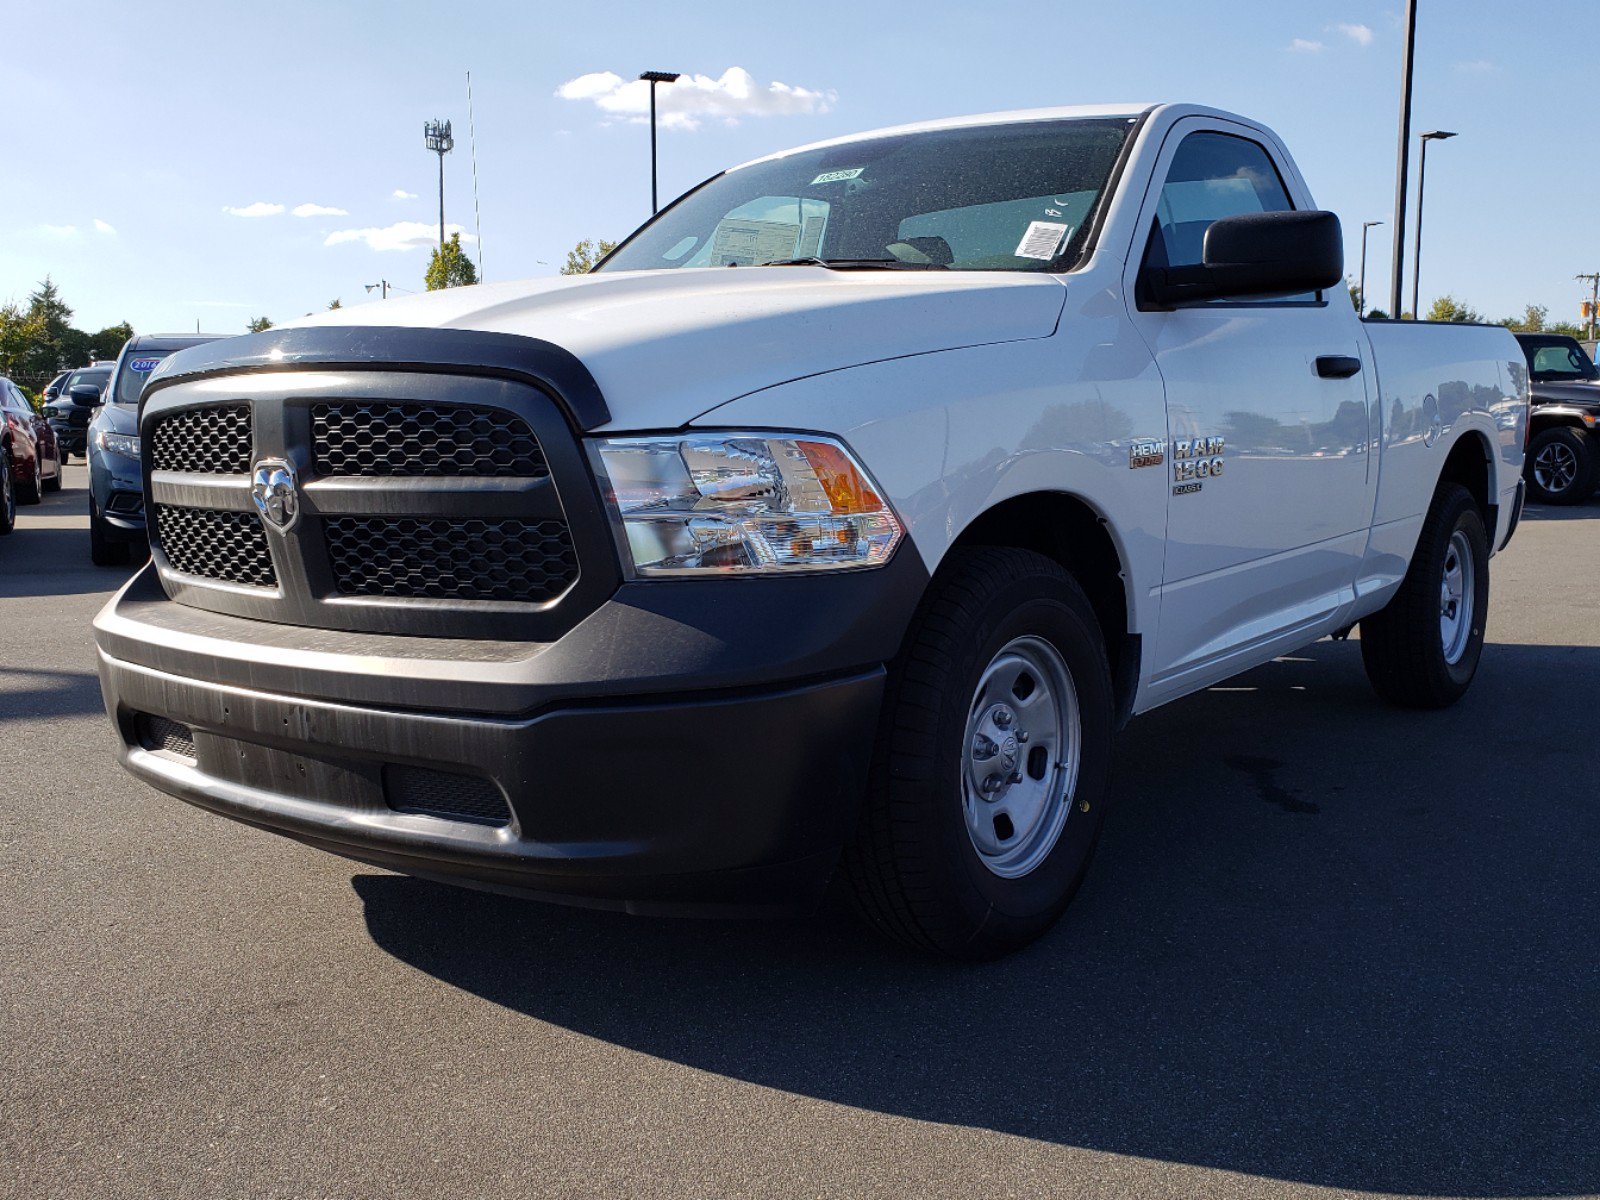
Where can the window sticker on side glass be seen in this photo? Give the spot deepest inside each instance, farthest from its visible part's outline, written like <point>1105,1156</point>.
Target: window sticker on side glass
<point>1041,240</point>
<point>143,365</point>
<point>837,176</point>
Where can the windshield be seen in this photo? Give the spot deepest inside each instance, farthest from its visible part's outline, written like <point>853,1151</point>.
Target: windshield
<point>133,373</point>
<point>1015,197</point>
<point>1558,359</point>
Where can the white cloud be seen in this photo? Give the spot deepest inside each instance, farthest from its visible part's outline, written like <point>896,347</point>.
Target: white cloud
<point>402,235</point>
<point>318,210</point>
<point>103,226</point>
<point>261,208</point>
<point>1305,46</point>
<point>60,231</point>
<point>695,98</point>
<point>402,194</point>
<point>1361,35</point>
<point>1477,66</point>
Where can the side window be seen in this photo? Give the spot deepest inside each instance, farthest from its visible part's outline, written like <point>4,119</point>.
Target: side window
<point>1213,175</point>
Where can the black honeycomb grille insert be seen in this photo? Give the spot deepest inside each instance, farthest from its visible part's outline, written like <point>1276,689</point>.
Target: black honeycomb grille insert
<point>229,546</point>
<point>443,559</point>
<point>444,794</point>
<point>167,736</point>
<point>216,440</point>
<point>422,439</point>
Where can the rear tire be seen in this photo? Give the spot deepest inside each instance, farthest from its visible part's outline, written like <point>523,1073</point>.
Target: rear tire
<point>973,842</point>
<point>1561,466</point>
<point>8,493</point>
<point>32,492</point>
<point>103,550</point>
<point>1422,649</point>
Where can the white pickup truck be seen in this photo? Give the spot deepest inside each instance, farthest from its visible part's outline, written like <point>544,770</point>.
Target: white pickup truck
<point>830,529</point>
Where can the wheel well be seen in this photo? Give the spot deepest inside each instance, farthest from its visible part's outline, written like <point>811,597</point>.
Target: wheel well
<point>1468,464</point>
<point>1066,529</point>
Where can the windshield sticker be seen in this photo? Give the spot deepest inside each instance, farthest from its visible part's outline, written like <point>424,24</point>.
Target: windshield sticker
<point>143,365</point>
<point>1041,240</point>
<point>837,176</point>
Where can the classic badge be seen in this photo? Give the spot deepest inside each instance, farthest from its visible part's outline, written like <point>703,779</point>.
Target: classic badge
<point>276,492</point>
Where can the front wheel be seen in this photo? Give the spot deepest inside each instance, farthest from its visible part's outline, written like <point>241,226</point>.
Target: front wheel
<point>1561,466</point>
<point>8,493</point>
<point>104,550</point>
<point>989,781</point>
<point>32,492</point>
<point>1422,649</point>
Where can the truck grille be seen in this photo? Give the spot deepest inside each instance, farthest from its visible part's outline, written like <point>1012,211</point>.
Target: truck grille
<point>425,504</point>
<point>451,560</point>
<point>215,440</point>
<point>227,546</point>
<point>415,439</point>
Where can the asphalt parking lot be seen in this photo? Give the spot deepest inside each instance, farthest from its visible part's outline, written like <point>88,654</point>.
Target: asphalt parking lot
<point>1327,948</point>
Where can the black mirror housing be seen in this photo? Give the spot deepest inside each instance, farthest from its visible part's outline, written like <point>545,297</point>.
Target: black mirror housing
<point>1259,255</point>
<point>85,395</point>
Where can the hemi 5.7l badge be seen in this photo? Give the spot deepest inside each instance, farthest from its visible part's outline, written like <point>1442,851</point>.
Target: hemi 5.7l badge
<point>1146,452</point>
<point>1193,461</point>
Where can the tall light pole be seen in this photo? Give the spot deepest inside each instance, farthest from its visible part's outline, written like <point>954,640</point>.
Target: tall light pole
<point>382,283</point>
<point>1402,167</point>
<point>1362,286</point>
<point>1593,280</point>
<point>653,78</point>
<point>1437,135</point>
<point>436,136</point>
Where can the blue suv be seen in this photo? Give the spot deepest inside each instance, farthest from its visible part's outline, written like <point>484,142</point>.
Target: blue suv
<point>116,486</point>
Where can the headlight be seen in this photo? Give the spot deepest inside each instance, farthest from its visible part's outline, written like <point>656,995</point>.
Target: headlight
<point>745,503</point>
<point>125,444</point>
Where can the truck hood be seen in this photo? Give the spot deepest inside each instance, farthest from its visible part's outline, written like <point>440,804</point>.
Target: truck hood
<point>667,346</point>
<point>1566,393</point>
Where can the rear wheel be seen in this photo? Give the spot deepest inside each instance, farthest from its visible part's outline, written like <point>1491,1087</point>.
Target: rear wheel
<point>1561,466</point>
<point>32,491</point>
<point>1422,649</point>
<point>104,551</point>
<point>988,785</point>
<point>8,493</point>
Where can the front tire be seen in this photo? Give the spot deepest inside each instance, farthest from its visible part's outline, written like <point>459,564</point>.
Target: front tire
<point>32,492</point>
<point>104,551</point>
<point>988,785</point>
<point>1422,649</point>
<point>8,493</point>
<point>1561,466</point>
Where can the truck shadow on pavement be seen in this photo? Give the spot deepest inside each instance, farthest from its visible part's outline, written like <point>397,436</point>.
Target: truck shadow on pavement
<point>31,694</point>
<point>1324,942</point>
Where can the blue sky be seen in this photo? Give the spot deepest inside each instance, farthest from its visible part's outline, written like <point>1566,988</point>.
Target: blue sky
<point>143,124</point>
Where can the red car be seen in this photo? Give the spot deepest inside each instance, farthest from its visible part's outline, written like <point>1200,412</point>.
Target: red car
<point>30,463</point>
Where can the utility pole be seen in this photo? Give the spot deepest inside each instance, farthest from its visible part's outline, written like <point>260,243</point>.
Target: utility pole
<point>1594,298</point>
<point>1402,168</point>
<point>382,283</point>
<point>436,136</point>
<point>653,78</point>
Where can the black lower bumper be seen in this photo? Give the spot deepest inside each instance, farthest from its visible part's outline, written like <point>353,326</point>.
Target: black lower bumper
<point>728,802</point>
<point>685,748</point>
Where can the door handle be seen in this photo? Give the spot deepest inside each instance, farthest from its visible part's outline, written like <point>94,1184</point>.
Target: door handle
<point>1337,366</point>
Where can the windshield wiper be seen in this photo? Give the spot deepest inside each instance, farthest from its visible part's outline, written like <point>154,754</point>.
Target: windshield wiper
<point>855,264</point>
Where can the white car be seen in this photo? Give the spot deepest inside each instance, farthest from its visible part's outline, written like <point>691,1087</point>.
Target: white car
<point>836,522</point>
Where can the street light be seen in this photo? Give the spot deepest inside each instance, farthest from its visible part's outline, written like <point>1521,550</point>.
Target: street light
<point>1362,286</point>
<point>1402,167</point>
<point>1437,135</point>
<point>436,136</point>
<point>653,78</point>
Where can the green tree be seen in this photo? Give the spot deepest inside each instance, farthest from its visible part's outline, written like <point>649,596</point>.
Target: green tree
<point>109,341</point>
<point>259,325</point>
<point>450,267</point>
<point>581,259</point>
<point>1532,320</point>
<point>1448,308</point>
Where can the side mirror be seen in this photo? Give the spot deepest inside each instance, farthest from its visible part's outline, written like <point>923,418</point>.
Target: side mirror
<point>1258,255</point>
<point>85,395</point>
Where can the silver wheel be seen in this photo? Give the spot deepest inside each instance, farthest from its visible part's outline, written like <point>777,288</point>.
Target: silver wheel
<point>1020,761</point>
<point>1457,596</point>
<point>1555,467</point>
